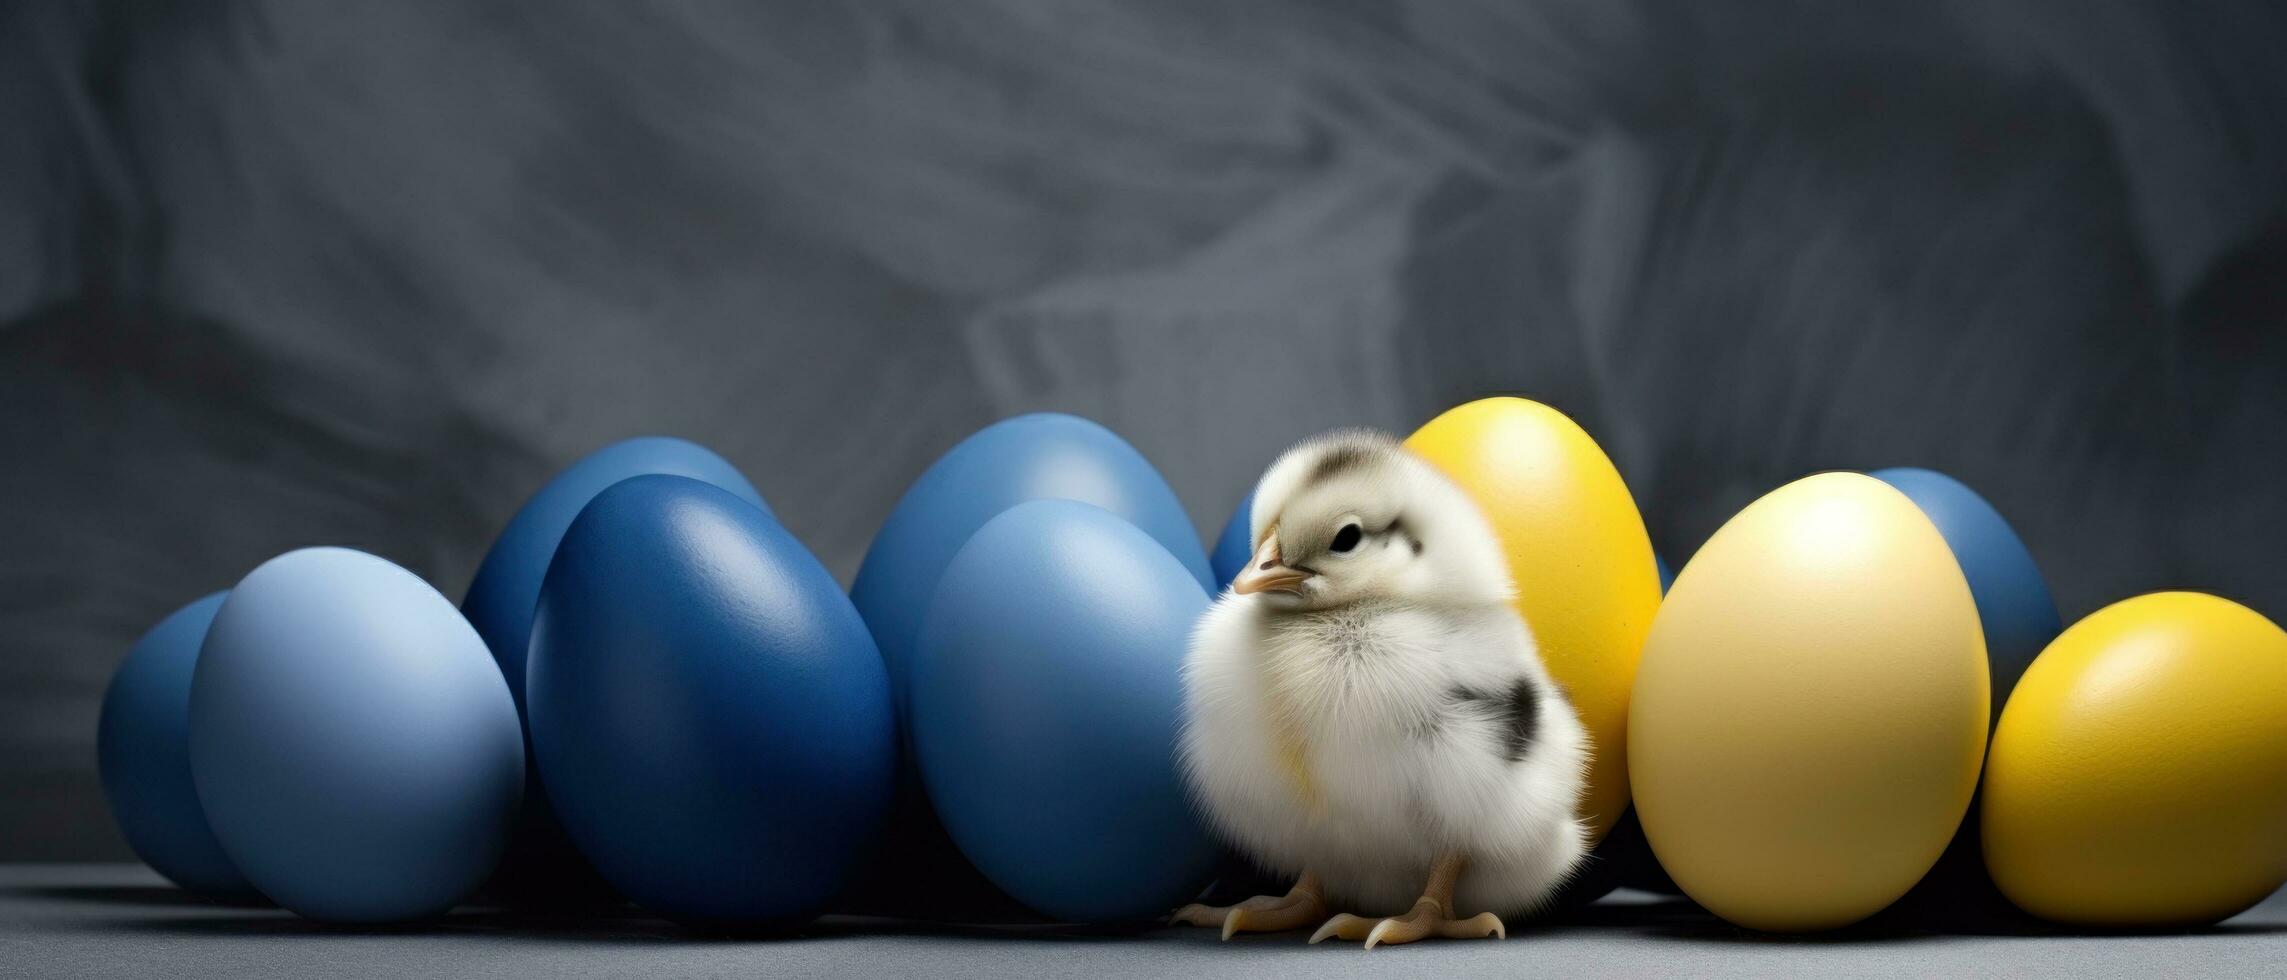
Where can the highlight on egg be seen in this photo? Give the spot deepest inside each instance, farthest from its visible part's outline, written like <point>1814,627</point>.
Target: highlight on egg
<point>1810,713</point>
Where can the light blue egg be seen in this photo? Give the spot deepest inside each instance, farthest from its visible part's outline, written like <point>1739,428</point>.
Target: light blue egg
<point>142,750</point>
<point>1235,545</point>
<point>1046,700</point>
<point>707,710</point>
<point>354,746</point>
<point>1030,457</point>
<point>2013,601</point>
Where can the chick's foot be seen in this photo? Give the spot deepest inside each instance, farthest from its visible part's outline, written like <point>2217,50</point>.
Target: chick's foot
<point>1427,919</point>
<point>1300,906</point>
<point>1432,915</point>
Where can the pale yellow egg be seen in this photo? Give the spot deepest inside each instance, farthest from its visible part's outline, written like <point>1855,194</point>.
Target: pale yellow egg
<point>2139,773</point>
<point>1811,709</point>
<point>1586,580</point>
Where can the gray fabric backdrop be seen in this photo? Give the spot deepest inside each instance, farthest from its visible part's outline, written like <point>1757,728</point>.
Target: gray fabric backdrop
<point>285,274</point>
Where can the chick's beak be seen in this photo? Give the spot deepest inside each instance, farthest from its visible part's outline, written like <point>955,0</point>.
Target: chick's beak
<point>1264,573</point>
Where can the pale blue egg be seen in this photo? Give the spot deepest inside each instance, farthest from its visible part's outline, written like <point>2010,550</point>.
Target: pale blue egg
<point>356,750</point>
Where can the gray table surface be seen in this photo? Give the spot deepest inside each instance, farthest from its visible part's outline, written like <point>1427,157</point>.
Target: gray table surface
<point>123,921</point>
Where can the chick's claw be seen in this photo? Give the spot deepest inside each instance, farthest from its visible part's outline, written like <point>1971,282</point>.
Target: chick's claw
<point>1344,926</point>
<point>1262,913</point>
<point>1196,914</point>
<point>1427,919</point>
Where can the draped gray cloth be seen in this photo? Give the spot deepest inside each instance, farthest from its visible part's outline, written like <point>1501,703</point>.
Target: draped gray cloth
<point>365,274</point>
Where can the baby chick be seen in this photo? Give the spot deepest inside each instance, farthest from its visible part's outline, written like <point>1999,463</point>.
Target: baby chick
<point>1364,709</point>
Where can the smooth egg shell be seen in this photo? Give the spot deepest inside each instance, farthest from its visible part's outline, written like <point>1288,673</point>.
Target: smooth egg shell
<point>352,743</point>
<point>1811,708</point>
<point>2139,774</point>
<point>1046,701</point>
<point>541,865</point>
<point>709,714</point>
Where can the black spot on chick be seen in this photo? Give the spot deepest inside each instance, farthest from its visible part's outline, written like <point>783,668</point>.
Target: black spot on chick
<point>1516,710</point>
<point>1337,460</point>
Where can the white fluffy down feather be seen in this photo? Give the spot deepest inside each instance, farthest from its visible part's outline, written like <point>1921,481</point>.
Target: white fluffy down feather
<point>1390,708</point>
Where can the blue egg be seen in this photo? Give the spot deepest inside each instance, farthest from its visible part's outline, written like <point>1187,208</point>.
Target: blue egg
<point>1667,578</point>
<point>2013,601</point>
<point>1235,545</point>
<point>708,712</point>
<point>541,864</point>
<point>1030,457</point>
<point>507,585</point>
<point>1046,700</point>
<point>354,746</point>
<point>142,750</point>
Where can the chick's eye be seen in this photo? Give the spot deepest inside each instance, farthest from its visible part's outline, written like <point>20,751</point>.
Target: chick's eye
<point>1346,540</point>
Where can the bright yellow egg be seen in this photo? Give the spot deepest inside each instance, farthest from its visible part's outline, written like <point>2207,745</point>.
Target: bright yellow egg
<point>1811,708</point>
<point>2139,773</point>
<point>1586,580</point>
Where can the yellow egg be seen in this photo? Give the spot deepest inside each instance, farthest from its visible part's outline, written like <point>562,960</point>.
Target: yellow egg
<point>1586,580</point>
<point>2139,773</point>
<point>1811,708</point>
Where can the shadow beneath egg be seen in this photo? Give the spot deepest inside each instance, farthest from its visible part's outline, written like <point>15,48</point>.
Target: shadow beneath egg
<point>1671,920</point>
<point>1714,930</point>
<point>619,927</point>
<point>1878,932</point>
<point>138,895</point>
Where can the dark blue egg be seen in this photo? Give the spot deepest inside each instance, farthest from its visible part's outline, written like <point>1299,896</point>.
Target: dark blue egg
<point>1046,700</point>
<point>541,865</point>
<point>2013,601</point>
<point>708,712</point>
<point>142,750</point>
<point>1235,545</point>
<point>1030,457</point>
<point>507,585</point>
<point>1667,578</point>
<point>353,745</point>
